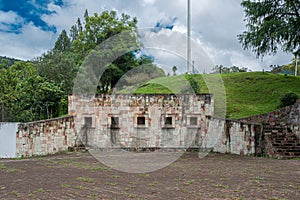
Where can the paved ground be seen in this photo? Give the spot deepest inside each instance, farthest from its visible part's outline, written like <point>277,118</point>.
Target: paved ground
<point>217,176</point>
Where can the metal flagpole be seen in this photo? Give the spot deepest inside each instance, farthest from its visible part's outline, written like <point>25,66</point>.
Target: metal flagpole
<point>189,50</point>
<point>296,70</point>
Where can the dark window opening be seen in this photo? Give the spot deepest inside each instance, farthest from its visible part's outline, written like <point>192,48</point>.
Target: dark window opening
<point>141,121</point>
<point>88,121</point>
<point>168,121</point>
<point>193,121</point>
<point>115,122</point>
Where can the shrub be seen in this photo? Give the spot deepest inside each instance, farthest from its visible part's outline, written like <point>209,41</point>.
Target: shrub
<point>288,99</point>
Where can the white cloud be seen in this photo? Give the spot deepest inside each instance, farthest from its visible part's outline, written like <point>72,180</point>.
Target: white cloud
<point>23,43</point>
<point>10,17</point>
<point>215,26</point>
<point>169,49</point>
<point>31,42</point>
<point>148,2</point>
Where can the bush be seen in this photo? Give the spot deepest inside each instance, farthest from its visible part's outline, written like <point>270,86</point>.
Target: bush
<point>288,99</point>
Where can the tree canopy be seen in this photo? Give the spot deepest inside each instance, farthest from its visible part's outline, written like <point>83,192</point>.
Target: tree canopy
<point>271,25</point>
<point>38,90</point>
<point>98,28</point>
<point>26,96</point>
<point>62,63</point>
<point>226,70</point>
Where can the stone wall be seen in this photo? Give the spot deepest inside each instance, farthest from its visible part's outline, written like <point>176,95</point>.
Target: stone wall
<point>285,116</point>
<point>141,121</point>
<point>280,135</point>
<point>45,137</point>
<point>228,136</point>
<point>159,121</point>
<point>190,123</point>
<point>280,142</point>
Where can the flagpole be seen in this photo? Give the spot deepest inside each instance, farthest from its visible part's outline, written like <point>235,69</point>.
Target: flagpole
<point>296,70</point>
<point>189,50</point>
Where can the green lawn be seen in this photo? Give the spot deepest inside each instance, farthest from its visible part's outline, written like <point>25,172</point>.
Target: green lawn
<point>246,94</point>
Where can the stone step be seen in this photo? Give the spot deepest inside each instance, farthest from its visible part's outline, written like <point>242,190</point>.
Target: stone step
<point>287,150</point>
<point>270,133</point>
<point>293,151</point>
<point>286,147</point>
<point>287,156</point>
<point>291,154</point>
<point>284,138</point>
<point>285,143</point>
<point>275,130</point>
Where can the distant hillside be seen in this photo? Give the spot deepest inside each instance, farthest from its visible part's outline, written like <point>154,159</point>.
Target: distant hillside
<point>7,61</point>
<point>247,94</point>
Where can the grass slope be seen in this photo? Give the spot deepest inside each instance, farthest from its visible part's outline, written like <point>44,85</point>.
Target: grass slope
<point>246,93</point>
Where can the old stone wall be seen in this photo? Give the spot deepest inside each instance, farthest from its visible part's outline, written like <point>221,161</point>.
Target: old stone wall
<point>228,136</point>
<point>169,122</point>
<point>289,115</point>
<point>157,121</point>
<point>45,137</point>
<point>280,142</point>
<point>141,121</point>
<point>280,135</point>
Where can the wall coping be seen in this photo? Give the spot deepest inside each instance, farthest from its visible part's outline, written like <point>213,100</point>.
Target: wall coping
<point>150,94</point>
<point>46,120</point>
<point>232,120</point>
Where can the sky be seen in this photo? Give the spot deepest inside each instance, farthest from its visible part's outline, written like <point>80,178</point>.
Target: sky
<point>29,28</point>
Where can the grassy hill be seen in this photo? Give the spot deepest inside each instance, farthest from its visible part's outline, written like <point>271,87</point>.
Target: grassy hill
<point>247,94</point>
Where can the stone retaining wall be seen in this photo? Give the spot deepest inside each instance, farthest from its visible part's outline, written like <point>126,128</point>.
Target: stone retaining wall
<point>167,121</point>
<point>284,116</point>
<point>45,137</point>
<point>228,136</point>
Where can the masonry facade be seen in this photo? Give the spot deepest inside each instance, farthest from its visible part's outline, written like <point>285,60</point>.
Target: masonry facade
<point>159,121</point>
<point>156,121</point>
<point>141,121</point>
<point>45,137</point>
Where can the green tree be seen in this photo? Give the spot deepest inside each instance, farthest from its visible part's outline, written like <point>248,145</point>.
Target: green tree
<point>174,69</point>
<point>59,67</point>
<point>140,75</point>
<point>98,28</point>
<point>194,85</point>
<point>26,96</point>
<point>191,86</point>
<point>112,42</point>
<point>226,70</point>
<point>63,43</point>
<point>92,44</point>
<point>4,63</point>
<point>291,67</point>
<point>75,30</point>
<point>271,24</point>
<point>109,79</point>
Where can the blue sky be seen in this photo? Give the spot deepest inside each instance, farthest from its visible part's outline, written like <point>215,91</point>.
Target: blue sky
<point>29,28</point>
<point>30,11</point>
